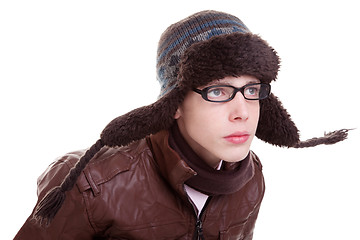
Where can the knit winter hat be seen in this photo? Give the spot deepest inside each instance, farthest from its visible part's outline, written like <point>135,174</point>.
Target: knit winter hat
<point>181,35</point>
<point>206,46</point>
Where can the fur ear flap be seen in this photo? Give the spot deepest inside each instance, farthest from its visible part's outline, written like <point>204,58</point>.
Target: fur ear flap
<point>143,121</point>
<point>275,125</point>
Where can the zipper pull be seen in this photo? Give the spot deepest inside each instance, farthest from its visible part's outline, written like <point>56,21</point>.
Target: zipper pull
<point>199,230</point>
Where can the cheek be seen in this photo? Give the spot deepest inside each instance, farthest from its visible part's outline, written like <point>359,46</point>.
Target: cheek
<point>253,109</point>
<point>197,119</point>
<point>256,113</point>
<point>192,108</point>
<point>205,126</point>
<point>197,116</point>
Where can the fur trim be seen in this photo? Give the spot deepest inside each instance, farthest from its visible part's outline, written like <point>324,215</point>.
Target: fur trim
<point>143,121</point>
<point>275,125</point>
<point>234,54</point>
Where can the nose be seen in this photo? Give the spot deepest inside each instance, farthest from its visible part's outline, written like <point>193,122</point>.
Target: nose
<point>238,108</point>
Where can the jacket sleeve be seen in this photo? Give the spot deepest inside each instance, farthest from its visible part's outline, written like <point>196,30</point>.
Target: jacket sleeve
<point>250,225</point>
<point>71,222</point>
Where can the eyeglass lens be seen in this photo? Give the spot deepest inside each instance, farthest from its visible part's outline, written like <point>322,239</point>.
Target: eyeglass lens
<point>251,92</point>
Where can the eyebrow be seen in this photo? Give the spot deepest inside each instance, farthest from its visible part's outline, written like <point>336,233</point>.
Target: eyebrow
<point>217,81</point>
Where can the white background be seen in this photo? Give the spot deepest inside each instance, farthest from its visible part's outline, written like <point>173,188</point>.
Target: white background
<point>69,67</point>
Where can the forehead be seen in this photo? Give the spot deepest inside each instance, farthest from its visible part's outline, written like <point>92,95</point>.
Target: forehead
<point>235,81</point>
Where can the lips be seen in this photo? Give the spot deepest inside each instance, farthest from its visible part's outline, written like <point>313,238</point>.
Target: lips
<point>237,137</point>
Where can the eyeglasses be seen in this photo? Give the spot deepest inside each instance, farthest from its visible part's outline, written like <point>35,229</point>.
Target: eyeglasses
<point>225,93</point>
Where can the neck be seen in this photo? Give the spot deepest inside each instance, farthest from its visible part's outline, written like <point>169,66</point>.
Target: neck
<point>209,180</point>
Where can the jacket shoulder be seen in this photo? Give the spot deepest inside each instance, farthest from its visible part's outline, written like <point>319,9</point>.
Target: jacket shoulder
<point>56,172</point>
<point>109,162</point>
<point>105,165</point>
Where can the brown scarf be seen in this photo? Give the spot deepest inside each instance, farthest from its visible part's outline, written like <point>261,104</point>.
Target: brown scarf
<point>229,179</point>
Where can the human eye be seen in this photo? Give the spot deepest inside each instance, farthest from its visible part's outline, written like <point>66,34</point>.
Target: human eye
<point>252,91</point>
<point>217,93</point>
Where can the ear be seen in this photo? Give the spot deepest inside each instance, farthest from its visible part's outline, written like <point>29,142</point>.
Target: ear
<point>177,114</point>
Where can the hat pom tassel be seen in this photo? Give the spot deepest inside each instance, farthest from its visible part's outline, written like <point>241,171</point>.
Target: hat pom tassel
<point>329,138</point>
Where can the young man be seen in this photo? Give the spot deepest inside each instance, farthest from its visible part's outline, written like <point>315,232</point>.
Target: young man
<point>180,168</point>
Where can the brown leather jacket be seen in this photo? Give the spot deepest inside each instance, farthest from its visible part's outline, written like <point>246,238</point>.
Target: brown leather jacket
<point>137,192</point>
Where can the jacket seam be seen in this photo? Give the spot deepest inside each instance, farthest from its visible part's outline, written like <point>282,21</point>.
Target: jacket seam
<point>92,183</point>
<point>86,202</point>
<point>151,225</point>
<point>88,212</point>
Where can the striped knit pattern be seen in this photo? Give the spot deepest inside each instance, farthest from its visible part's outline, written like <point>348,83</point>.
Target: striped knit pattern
<point>181,35</point>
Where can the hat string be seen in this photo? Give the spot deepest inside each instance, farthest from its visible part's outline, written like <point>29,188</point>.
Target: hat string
<point>53,200</point>
<point>329,138</point>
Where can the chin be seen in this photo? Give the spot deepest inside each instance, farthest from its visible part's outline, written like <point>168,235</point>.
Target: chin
<point>237,157</point>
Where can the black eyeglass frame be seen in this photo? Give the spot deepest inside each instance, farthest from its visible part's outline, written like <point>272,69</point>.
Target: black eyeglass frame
<point>204,91</point>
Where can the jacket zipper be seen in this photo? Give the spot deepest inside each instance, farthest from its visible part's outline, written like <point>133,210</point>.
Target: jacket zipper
<point>199,235</point>
<point>199,231</point>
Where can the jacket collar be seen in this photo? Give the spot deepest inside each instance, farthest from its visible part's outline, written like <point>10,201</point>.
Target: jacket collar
<point>171,166</point>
